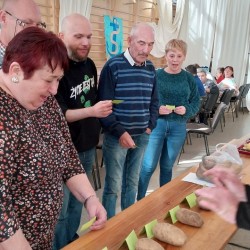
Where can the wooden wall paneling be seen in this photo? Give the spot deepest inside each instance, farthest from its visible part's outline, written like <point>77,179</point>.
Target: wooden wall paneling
<point>54,15</point>
<point>50,13</point>
<point>130,11</point>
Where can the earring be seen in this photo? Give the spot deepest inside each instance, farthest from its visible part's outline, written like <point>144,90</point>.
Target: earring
<point>15,79</point>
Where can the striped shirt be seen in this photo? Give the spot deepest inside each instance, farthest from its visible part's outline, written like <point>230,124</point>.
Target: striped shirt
<point>136,87</point>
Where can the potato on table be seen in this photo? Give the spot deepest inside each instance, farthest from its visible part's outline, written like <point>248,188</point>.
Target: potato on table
<point>189,217</point>
<point>170,234</point>
<point>147,244</point>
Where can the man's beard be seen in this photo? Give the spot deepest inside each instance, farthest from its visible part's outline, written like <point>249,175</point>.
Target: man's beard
<point>76,57</point>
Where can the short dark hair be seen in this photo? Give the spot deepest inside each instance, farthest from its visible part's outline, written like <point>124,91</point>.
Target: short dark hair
<point>221,69</point>
<point>231,68</point>
<point>33,48</point>
<point>191,69</point>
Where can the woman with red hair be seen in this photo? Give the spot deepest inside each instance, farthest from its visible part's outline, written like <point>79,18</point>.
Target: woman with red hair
<point>36,151</point>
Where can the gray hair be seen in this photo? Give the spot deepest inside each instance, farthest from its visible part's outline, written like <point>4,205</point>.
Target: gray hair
<point>137,26</point>
<point>201,70</point>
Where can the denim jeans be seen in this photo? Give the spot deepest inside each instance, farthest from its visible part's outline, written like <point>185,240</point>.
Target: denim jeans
<point>122,171</point>
<point>70,216</point>
<point>165,143</point>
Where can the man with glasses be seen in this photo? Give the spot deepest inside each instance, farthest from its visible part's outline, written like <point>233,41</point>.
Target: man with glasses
<point>15,15</point>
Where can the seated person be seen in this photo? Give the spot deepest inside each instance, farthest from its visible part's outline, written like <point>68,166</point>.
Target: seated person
<point>219,74</point>
<point>228,82</point>
<point>209,75</point>
<point>192,69</point>
<point>207,83</point>
<point>211,89</point>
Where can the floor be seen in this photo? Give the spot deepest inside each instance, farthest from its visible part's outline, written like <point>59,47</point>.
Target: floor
<point>192,156</point>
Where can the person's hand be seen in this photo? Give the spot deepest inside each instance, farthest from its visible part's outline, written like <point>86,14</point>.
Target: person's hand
<point>180,110</point>
<point>126,141</point>
<point>223,177</point>
<point>148,131</point>
<point>102,109</point>
<point>224,198</point>
<point>219,200</point>
<point>163,110</point>
<point>95,208</point>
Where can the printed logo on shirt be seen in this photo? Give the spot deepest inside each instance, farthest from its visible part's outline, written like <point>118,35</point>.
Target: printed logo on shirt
<point>87,104</point>
<point>83,87</point>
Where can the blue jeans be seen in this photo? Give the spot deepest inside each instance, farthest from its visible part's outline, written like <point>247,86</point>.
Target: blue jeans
<point>122,171</point>
<point>165,143</point>
<point>70,216</point>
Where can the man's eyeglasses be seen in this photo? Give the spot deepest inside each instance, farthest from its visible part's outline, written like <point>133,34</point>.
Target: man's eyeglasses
<point>24,23</point>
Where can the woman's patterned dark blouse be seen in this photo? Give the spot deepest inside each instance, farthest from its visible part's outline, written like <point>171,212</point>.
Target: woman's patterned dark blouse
<point>36,157</point>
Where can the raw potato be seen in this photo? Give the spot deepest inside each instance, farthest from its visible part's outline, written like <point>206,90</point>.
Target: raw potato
<point>189,217</point>
<point>170,234</point>
<point>209,162</point>
<point>147,244</point>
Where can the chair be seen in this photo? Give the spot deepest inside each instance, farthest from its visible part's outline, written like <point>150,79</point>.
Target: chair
<point>205,130</point>
<point>210,103</point>
<point>225,98</point>
<point>244,95</point>
<point>196,117</point>
<point>234,102</point>
<point>97,169</point>
<point>94,178</point>
<point>227,95</point>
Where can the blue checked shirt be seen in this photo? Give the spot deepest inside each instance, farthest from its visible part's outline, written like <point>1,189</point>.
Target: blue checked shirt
<point>2,52</point>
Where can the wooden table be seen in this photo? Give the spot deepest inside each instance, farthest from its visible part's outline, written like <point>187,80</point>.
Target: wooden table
<point>213,235</point>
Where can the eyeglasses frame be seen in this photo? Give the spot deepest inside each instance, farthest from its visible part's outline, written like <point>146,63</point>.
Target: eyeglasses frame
<point>22,23</point>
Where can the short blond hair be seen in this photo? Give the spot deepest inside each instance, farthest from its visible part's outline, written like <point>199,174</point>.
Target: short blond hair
<point>176,44</point>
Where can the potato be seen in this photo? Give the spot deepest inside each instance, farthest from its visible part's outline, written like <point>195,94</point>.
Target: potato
<point>147,244</point>
<point>189,217</point>
<point>211,161</point>
<point>207,163</point>
<point>170,234</point>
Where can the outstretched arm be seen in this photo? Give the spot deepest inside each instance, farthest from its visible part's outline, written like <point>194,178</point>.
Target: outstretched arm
<point>81,188</point>
<point>225,197</point>
<point>99,110</point>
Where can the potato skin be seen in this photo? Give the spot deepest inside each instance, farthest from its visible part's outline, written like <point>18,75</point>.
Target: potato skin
<point>189,217</point>
<point>170,234</point>
<point>212,161</point>
<point>147,244</point>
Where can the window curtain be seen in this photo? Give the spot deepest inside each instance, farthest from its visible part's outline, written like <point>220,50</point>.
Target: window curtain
<point>167,28</point>
<point>247,80</point>
<point>218,31</point>
<point>74,6</point>
<point>232,37</point>
<point>198,30</point>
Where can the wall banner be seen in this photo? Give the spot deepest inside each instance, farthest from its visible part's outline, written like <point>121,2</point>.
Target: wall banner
<point>113,36</point>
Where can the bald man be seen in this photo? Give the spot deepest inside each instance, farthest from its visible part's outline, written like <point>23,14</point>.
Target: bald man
<point>16,15</point>
<point>77,97</point>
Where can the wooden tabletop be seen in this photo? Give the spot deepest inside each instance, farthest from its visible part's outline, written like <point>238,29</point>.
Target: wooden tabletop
<point>214,234</point>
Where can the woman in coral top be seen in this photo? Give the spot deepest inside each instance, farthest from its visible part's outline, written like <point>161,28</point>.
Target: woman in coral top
<point>219,74</point>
